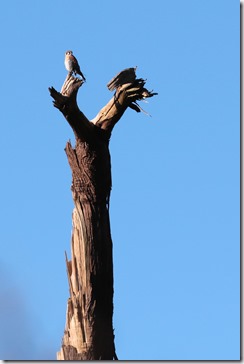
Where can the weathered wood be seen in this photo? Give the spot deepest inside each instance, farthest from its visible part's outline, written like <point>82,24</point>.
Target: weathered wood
<point>88,331</point>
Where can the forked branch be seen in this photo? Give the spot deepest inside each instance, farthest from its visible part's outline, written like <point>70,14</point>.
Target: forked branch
<point>128,90</point>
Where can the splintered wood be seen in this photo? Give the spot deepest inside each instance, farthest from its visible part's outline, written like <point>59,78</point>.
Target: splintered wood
<point>77,331</point>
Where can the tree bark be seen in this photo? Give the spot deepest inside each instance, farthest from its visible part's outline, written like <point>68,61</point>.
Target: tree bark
<point>88,332</point>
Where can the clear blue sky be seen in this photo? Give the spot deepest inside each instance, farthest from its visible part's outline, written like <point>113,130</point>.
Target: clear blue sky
<point>175,198</point>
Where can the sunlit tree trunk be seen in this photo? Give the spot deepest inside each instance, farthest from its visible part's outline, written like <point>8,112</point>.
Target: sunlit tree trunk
<point>88,332</point>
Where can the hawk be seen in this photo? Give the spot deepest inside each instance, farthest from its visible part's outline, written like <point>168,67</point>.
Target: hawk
<point>72,65</point>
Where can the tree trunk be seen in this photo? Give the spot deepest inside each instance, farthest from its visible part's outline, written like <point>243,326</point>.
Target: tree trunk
<point>88,332</point>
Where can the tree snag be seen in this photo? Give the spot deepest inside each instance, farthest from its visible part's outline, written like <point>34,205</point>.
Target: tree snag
<point>88,332</point>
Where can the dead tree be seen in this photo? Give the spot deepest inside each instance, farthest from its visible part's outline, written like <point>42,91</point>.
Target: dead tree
<point>88,332</point>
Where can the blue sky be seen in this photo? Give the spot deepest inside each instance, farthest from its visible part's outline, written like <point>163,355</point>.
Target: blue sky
<point>175,200</point>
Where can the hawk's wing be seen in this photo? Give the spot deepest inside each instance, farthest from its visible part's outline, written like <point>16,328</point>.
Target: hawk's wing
<point>128,75</point>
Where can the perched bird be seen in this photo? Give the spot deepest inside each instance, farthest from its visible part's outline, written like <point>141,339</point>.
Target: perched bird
<point>72,65</point>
